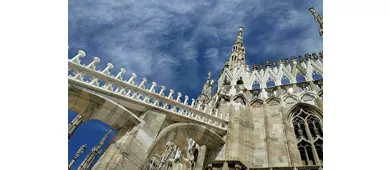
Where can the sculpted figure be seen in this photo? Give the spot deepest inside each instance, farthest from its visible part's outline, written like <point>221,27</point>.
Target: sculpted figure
<point>205,96</point>
<point>191,154</point>
<point>170,147</point>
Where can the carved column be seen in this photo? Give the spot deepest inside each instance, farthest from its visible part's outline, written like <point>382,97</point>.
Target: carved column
<point>201,158</point>
<point>291,143</point>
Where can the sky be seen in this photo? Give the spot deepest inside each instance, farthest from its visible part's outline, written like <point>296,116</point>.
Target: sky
<point>175,43</point>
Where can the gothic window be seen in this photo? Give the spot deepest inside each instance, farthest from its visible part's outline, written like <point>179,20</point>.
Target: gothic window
<point>308,131</point>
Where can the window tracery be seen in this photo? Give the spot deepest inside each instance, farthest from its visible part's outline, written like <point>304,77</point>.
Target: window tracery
<point>308,132</point>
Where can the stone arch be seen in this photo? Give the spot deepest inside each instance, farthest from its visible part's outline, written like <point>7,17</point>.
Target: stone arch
<point>314,109</point>
<point>256,103</point>
<point>240,96</point>
<point>225,98</point>
<point>286,77</point>
<point>271,100</point>
<point>94,106</point>
<point>308,96</point>
<point>178,133</point>
<point>290,98</point>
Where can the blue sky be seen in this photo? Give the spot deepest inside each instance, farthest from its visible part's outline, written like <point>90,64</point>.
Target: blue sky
<point>175,43</point>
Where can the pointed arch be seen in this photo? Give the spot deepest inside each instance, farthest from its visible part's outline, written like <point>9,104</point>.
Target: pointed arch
<point>314,109</point>
<point>306,122</point>
<point>284,79</point>
<point>223,98</point>
<point>242,97</point>
<point>239,74</point>
<point>285,73</point>
<point>308,96</point>
<point>316,68</point>
<point>270,82</point>
<point>228,75</point>
<point>300,77</point>
<point>316,75</point>
<point>273,100</point>
<point>269,73</point>
<point>255,79</point>
<point>299,73</point>
<point>94,106</point>
<point>290,98</point>
<point>256,102</point>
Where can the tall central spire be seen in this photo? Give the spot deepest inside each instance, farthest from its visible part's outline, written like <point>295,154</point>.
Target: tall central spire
<point>237,57</point>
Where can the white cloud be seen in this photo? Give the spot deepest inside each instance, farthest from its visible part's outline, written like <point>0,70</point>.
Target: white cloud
<point>170,42</point>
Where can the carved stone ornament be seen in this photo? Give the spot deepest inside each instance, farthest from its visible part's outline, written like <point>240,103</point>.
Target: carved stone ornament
<point>307,97</point>
<point>273,102</point>
<point>290,100</point>
<point>257,103</point>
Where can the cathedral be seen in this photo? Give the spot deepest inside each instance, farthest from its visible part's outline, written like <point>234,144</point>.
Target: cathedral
<point>265,117</point>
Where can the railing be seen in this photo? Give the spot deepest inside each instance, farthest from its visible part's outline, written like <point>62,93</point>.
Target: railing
<point>102,81</point>
<point>289,88</point>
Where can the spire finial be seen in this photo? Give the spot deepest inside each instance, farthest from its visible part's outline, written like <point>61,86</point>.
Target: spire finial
<point>239,36</point>
<point>209,75</point>
<point>318,19</point>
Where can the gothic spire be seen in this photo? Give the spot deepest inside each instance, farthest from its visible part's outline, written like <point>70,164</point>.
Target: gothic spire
<point>237,57</point>
<point>78,153</point>
<point>105,137</point>
<point>73,125</point>
<point>239,35</point>
<point>318,19</point>
<point>95,152</point>
<point>205,96</point>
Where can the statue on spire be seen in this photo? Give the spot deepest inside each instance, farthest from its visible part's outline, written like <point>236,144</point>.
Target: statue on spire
<point>205,96</point>
<point>318,19</point>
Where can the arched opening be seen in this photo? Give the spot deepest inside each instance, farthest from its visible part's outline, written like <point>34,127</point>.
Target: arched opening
<point>300,78</point>
<point>316,76</point>
<point>180,143</point>
<point>307,125</point>
<point>90,133</point>
<point>255,85</point>
<point>95,106</point>
<point>285,80</point>
<point>270,82</point>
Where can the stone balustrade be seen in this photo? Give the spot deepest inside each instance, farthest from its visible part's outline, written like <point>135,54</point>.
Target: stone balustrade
<point>293,89</point>
<point>104,82</point>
